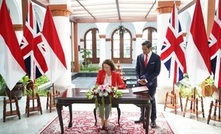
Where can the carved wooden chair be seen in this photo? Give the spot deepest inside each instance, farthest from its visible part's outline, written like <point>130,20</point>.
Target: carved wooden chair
<point>32,98</point>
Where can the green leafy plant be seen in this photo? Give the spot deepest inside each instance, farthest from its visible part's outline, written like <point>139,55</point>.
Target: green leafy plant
<point>90,68</point>
<point>2,86</point>
<point>85,55</point>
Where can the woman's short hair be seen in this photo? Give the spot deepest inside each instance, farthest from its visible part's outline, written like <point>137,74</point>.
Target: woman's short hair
<point>110,63</point>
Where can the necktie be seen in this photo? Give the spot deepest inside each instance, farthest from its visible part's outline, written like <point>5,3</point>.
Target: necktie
<point>146,60</point>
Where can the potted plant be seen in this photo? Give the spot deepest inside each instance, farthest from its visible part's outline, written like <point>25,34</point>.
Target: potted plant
<point>85,55</point>
<point>18,89</point>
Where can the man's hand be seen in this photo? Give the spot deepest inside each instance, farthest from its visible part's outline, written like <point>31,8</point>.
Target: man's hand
<point>142,81</point>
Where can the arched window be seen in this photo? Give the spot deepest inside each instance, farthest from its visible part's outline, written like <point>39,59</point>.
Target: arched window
<point>92,44</point>
<point>121,45</point>
<point>150,33</point>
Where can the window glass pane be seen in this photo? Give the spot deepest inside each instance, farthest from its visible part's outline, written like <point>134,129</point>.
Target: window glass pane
<point>116,53</point>
<point>89,42</point>
<point>126,45</point>
<point>116,45</point>
<point>97,45</point>
<point>98,53</point>
<point>154,41</point>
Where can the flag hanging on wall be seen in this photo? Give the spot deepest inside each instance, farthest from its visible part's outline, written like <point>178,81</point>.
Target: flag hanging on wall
<point>12,67</point>
<point>197,54</point>
<point>55,57</point>
<point>173,49</point>
<point>32,47</point>
<point>215,47</point>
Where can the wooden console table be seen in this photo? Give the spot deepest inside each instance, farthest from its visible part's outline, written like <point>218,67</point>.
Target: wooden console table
<point>77,95</point>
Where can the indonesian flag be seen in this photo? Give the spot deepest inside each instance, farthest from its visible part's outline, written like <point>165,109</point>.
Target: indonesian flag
<point>32,47</point>
<point>197,54</point>
<point>12,67</point>
<point>215,47</point>
<point>55,57</point>
<point>173,49</point>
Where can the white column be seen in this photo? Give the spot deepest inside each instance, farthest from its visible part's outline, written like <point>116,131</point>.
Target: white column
<point>139,33</point>
<point>102,48</point>
<point>102,34</point>
<point>63,27</point>
<point>139,41</point>
<point>164,83</point>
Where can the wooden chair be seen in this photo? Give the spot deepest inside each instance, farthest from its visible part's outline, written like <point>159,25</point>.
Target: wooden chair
<point>173,101</point>
<point>194,105</point>
<point>216,105</point>
<point>51,98</point>
<point>11,101</point>
<point>32,98</point>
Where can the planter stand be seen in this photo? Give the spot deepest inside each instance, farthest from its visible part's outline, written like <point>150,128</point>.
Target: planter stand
<point>51,98</point>
<point>173,101</point>
<point>11,111</point>
<point>194,105</point>
<point>216,105</point>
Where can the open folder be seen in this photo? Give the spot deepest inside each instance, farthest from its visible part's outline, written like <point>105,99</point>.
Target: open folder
<point>139,89</point>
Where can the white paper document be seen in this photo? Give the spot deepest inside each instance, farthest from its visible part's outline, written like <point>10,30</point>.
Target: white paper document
<point>140,89</point>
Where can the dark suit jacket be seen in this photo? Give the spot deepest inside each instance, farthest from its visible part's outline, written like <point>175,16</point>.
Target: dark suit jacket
<point>115,79</point>
<point>151,72</point>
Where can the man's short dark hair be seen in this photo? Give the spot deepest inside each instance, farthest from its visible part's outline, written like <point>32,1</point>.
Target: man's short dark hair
<point>147,43</point>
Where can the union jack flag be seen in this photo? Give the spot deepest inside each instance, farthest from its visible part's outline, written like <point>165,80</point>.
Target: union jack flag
<point>173,49</point>
<point>33,48</point>
<point>215,47</point>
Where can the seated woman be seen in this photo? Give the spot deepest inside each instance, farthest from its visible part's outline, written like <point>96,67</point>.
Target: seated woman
<point>108,75</point>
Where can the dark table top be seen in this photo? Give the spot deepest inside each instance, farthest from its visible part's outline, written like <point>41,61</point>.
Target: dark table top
<point>78,95</point>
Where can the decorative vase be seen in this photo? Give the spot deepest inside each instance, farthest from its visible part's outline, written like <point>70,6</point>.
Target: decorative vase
<point>106,100</point>
<point>17,91</point>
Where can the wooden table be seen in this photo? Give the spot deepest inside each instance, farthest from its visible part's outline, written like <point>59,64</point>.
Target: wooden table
<point>77,95</point>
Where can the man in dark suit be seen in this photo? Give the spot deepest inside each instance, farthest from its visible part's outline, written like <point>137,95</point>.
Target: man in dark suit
<point>148,68</point>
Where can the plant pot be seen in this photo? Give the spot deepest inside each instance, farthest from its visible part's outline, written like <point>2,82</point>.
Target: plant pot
<point>17,91</point>
<point>207,90</point>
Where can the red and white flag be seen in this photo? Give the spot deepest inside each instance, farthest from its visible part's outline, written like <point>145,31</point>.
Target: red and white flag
<point>173,48</point>
<point>197,54</point>
<point>215,47</point>
<point>32,47</point>
<point>12,67</point>
<point>55,57</point>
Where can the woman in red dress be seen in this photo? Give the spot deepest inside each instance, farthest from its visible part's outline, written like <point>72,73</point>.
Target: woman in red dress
<point>108,75</point>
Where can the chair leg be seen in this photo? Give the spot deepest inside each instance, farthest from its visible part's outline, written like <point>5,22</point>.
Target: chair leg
<point>165,103</point>
<point>95,117</point>
<point>181,104</point>
<point>202,107</point>
<point>4,110</point>
<point>184,112</point>
<point>17,108</point>
<point>119,113</point>
<point>210,111</point>
<point>196,112</point>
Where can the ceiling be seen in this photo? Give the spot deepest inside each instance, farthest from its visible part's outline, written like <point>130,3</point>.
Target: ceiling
<point>88,11</point>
